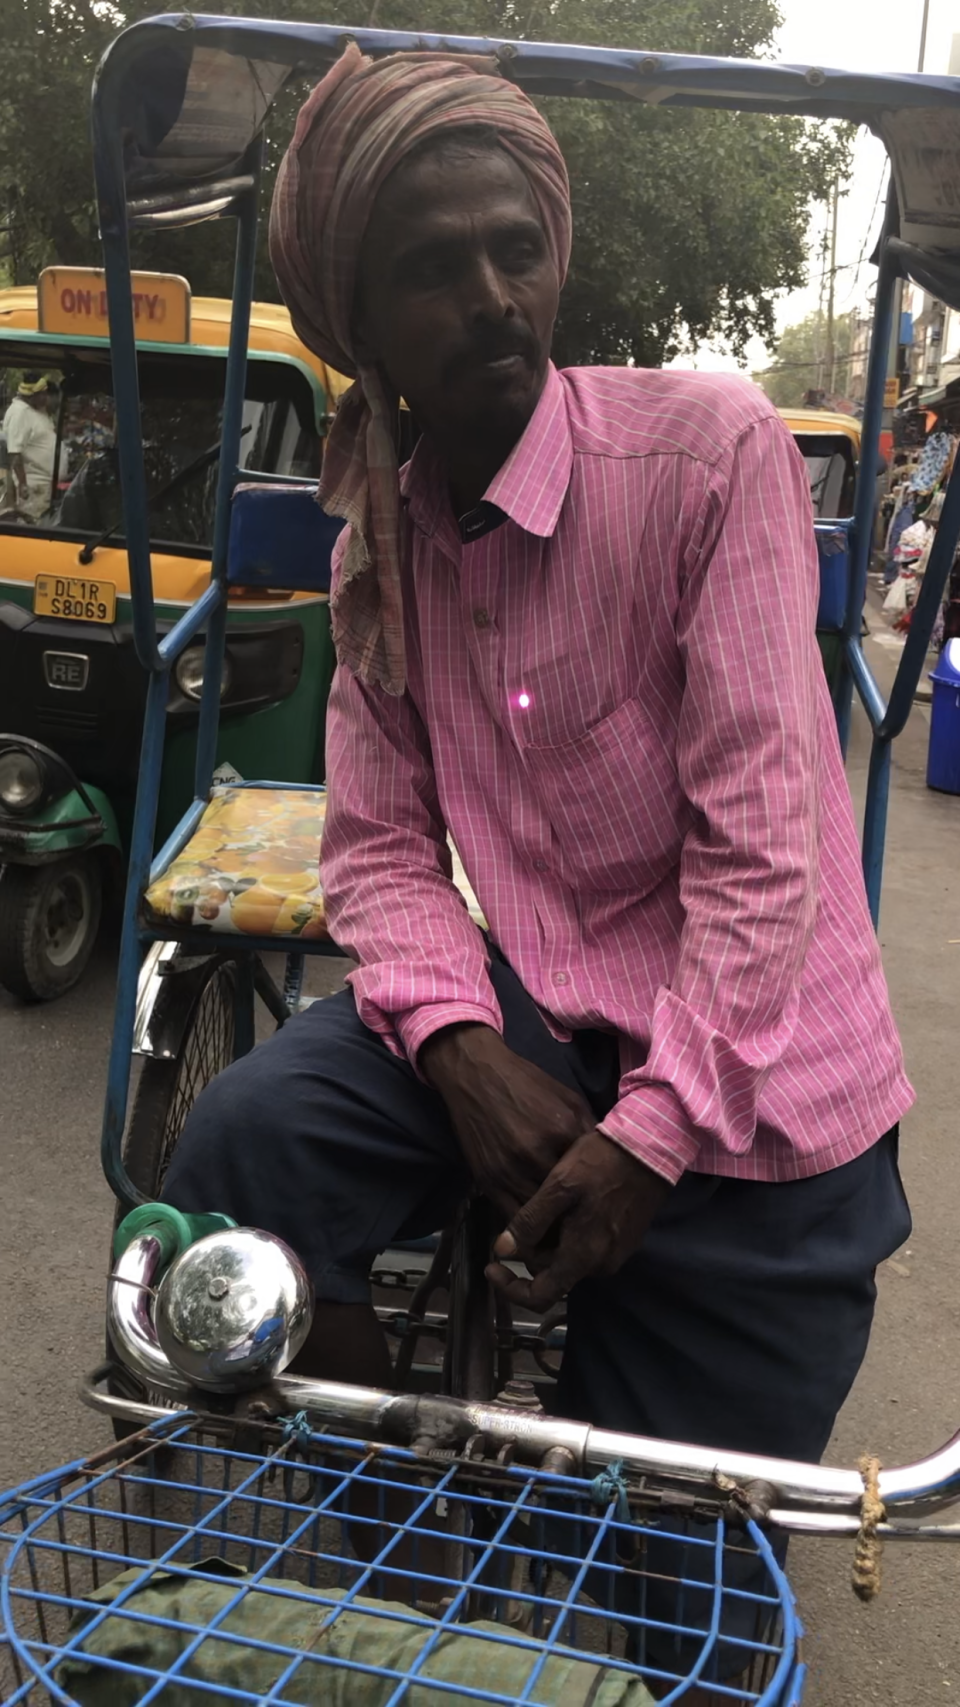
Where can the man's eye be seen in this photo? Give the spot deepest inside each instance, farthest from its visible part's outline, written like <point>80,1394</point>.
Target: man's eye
<point>428,275</point>
<point>521,255</point>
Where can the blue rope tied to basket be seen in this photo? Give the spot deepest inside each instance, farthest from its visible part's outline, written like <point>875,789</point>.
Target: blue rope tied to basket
<point>297,1428</point>
<point>611,1484</point>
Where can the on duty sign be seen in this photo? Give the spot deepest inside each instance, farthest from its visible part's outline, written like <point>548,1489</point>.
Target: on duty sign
<point>73,301</point>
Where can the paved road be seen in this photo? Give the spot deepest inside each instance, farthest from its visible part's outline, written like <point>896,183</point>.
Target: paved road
<point>902,1652</point>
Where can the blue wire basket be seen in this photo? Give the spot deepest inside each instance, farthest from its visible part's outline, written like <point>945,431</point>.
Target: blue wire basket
<point>180,1568</point>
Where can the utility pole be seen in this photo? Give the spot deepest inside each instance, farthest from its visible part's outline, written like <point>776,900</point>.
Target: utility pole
<point>820,300</point>
<point>831,353</point>
<point>893,360</point>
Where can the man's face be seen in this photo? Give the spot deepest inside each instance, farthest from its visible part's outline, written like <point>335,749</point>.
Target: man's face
<point>458,291</point>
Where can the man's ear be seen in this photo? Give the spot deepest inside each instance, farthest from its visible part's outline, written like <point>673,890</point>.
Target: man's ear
<point>364,344</point>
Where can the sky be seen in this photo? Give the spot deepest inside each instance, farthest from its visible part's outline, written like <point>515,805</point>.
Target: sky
<point>860,35</point>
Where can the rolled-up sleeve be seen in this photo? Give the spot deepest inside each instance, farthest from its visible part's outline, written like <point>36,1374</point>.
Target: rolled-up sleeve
<point>386,870</point>
<point>747,760</point>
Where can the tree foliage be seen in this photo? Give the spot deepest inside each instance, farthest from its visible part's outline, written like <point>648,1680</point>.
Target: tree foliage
<point>800,360</point>
<point>688,223</point>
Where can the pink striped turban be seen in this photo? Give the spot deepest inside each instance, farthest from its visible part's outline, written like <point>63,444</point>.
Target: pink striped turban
<point>351,133</point>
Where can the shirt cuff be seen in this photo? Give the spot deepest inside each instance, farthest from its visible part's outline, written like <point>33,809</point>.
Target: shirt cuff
<point>417,1024</point>
<point>650,1122</point>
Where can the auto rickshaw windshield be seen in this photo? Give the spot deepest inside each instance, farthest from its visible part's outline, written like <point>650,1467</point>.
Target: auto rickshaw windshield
<point>75,486</point>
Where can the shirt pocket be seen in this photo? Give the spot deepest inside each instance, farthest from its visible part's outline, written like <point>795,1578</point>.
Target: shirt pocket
<point>614,803</point>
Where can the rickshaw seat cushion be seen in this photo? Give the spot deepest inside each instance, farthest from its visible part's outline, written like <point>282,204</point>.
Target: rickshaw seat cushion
<point>251,868</point>
<point>280,537</point>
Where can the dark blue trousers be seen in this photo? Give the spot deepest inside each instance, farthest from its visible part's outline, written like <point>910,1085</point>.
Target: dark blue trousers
<point>741,1322</point>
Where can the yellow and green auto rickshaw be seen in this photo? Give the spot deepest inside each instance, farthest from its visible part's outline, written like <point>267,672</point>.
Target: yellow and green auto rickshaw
<point>829,443</point>
<point>830,446</point>
<point>71,689</point>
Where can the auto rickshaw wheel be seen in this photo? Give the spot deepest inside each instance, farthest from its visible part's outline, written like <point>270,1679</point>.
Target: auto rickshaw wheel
<point>49,917</point>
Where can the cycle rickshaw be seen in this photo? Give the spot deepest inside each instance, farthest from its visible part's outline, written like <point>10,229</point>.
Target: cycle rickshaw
<point>547,1530</point>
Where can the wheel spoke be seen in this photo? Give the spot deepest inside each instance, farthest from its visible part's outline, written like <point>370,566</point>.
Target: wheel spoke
<point>206,1050</point>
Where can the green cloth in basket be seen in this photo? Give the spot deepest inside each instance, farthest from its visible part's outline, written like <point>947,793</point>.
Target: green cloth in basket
<point>364,1634</point>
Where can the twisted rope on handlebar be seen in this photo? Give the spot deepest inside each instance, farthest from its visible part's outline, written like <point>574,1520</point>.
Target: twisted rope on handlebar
<point>610,1488</point>
<point>297,1428</point>
<point>867,1559</point>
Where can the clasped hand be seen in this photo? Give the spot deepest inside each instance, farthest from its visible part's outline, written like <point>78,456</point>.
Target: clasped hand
<point>575,1203</point>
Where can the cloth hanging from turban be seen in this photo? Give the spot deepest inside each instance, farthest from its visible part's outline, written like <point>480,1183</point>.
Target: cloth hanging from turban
<point>351,133</point>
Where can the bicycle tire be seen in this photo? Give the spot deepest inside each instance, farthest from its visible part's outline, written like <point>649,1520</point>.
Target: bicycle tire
<point>168,1088</point>
<point>169,1085</point>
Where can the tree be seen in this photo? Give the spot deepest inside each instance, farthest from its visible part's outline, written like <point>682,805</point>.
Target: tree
<point>798,366</point>
<point>688,224</point>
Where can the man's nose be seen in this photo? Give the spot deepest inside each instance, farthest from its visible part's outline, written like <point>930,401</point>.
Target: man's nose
<point>489,298</point>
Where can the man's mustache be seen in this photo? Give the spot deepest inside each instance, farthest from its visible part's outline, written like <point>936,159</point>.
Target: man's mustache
<point>490,346</point>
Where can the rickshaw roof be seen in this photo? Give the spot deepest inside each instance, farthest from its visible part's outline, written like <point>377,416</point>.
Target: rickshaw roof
<point>190,93</point>
<point>270,334</point>
<point>270,337</point>
<point>822,421</point>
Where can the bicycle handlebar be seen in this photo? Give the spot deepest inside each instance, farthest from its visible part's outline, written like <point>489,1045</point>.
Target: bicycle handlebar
<point>794,1497</point>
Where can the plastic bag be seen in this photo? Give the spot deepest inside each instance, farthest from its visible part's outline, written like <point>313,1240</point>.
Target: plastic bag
<point>897,599</point>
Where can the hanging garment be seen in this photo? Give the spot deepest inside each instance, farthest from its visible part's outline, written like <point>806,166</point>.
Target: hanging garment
<point>933,460</point>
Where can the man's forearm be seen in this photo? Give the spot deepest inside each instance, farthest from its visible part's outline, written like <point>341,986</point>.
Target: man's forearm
<point>447,1052</point>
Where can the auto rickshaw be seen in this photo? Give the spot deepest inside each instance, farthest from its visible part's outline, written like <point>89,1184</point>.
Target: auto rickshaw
<point>830,446</point>
<point>71,690</point>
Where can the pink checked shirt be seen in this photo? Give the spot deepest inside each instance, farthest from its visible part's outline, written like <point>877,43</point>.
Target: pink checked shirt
<point>616,706</point>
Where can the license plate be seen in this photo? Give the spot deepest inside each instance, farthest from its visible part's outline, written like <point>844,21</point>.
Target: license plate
<point>81,600</point>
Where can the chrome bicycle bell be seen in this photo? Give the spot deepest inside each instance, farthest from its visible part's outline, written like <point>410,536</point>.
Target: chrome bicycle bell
<point>234,1309</point>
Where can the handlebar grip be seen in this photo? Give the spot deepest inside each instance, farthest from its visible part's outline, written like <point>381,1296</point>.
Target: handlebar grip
<point>174,1230</point>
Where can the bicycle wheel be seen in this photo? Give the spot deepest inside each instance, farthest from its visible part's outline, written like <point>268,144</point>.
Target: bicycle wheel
<point>169,1086</point>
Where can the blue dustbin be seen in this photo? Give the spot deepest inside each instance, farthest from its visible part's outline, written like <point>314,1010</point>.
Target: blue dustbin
<point>943,757</point>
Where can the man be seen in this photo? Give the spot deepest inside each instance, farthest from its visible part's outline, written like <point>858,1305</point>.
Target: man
<point>31,441</point>
<point>579,635</point>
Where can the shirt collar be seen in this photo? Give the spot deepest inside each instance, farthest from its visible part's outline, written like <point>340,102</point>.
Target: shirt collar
<point>530,487</point>
<point>533,482</point>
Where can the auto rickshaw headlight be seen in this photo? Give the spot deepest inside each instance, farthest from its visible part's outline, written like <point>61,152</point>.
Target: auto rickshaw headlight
<point>189,672</point>
<point>21,780</point>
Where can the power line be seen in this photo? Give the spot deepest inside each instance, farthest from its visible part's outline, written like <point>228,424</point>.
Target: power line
<point>809,361</point>
<point>866,236</point>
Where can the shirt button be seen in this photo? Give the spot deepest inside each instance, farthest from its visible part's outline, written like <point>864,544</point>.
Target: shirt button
<point>539,865</point>
<point>481,619</point>
<point>560,978</point>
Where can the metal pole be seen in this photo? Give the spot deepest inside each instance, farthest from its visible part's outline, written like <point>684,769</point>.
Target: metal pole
<point>230,431</point>
<point>923,35</point>
<point>831,295</point>
<point>887,280</point>
<point>823,287</point>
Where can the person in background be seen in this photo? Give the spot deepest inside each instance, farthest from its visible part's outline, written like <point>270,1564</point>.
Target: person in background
<point>6,482</point>
<point>31,440</point>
